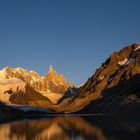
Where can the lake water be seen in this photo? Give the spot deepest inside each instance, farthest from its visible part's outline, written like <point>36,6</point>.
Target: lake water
<point>71,128</point>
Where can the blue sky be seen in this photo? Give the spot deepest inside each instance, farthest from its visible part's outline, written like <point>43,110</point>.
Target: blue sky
<point>75,36</point>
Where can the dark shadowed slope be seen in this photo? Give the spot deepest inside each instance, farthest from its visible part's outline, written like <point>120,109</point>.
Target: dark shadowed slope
<point>114,86</point>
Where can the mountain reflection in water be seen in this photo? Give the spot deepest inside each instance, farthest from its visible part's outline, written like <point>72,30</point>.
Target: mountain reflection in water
<point>70,128</point>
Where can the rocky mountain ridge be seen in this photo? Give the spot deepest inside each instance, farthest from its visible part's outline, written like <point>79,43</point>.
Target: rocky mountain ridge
<point>14,81</point>
<point>120,66</point>
<point>114,86</point>
<point>35,80</point>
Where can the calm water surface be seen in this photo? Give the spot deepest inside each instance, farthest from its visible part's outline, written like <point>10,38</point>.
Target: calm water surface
<point>71,128</point>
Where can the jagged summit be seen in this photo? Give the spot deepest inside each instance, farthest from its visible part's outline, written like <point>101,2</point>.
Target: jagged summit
<point>55,82</point>
<point>15,78</point>
<point>51,69</point>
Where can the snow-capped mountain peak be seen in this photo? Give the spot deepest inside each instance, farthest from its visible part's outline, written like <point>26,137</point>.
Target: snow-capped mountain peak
<point>12,79</point>
<point>51,69</point>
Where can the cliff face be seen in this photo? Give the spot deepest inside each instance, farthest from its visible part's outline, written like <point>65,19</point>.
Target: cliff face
<point>55,83</point>
<point>114,84</point>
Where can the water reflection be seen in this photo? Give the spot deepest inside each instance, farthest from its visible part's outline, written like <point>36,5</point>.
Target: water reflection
<point>68,128</point>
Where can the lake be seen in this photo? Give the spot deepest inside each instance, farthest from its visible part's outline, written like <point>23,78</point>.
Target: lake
<point>71,128</point>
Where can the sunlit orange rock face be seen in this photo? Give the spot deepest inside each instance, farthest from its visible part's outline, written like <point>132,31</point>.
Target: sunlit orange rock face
<point>52,86</point>
<point>54,82</point>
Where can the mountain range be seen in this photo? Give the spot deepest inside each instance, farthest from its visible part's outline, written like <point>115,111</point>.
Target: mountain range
<point>114,87</point>
<point>20,86</point>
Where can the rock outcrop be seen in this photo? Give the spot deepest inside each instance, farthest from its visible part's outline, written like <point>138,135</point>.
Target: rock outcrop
<point>55,83</point>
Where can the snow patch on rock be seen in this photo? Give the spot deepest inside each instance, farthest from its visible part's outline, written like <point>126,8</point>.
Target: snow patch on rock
<point>137,48</point>
<point>131,60</point>
<point>123,62</point>
<point>80,85</point>
<point>101,78</point>
<point>54,82</point>
<point>71,91</point>
<point>111,79</point>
